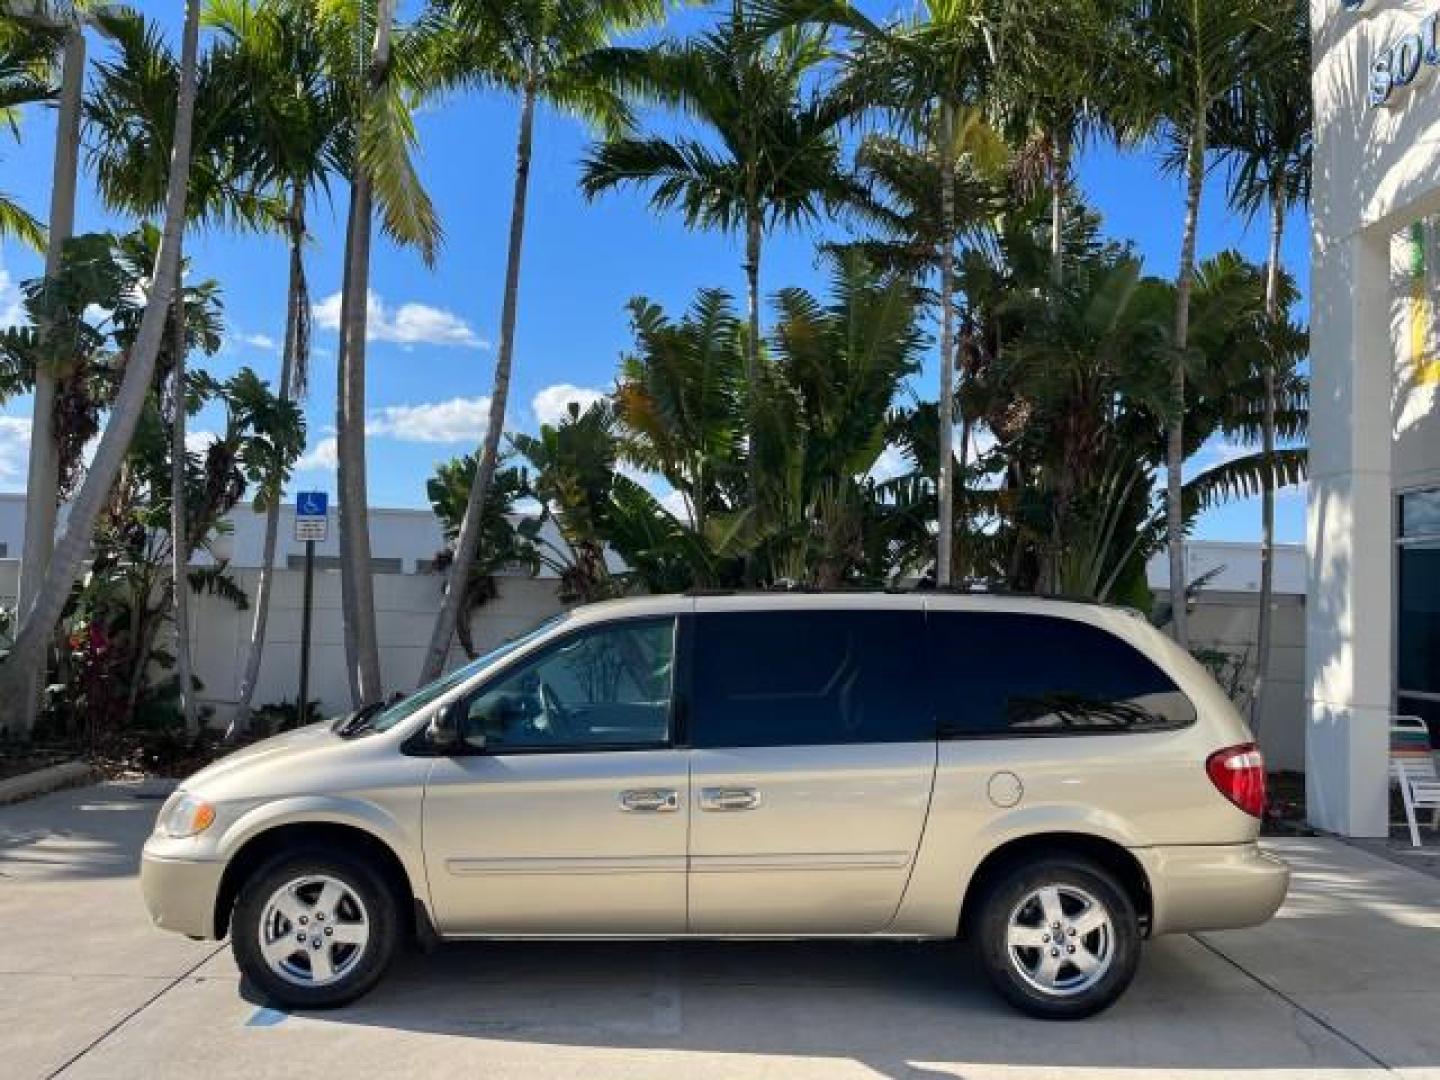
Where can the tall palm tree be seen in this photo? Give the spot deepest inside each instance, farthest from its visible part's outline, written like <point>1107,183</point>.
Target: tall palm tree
<point>380,81</point>
<point>930,70</point>
<point>132,118</point>
<point>767,152</point>
<point>545,52</point>
<point>1056,62</point>
<point>1264,130</point>
<point>902,205</point>
<point>28,53</point>
<point>296,121</point>
<point>24,662</point>
<point>1197,52</point>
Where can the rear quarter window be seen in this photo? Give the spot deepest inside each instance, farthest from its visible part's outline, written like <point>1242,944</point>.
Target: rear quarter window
<point>1003,674</point>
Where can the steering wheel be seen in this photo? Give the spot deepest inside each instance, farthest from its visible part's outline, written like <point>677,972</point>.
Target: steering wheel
<point>555,712</point>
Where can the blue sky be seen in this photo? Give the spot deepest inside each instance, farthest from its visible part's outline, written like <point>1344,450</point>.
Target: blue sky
<point>432,331</point>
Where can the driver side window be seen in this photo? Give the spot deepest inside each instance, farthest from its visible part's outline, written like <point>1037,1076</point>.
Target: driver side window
<point>608,686</point>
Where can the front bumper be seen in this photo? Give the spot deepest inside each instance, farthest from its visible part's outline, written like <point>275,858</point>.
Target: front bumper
<point>1212,887</point>
<point>180,893</point>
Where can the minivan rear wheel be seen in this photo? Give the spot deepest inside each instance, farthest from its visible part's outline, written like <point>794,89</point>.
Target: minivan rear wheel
<point>1058,937</point>
<point>314,930</point>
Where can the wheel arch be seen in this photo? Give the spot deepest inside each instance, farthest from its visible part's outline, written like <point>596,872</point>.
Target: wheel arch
<point>268,843</point>
<point>1112,856</point>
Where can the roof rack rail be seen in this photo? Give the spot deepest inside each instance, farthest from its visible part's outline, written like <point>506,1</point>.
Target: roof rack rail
<point>895,590</point>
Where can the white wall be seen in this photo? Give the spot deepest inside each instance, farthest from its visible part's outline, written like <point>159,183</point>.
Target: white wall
<point>1236,567</point>
<point>405,606</point>
<point>1374,173</point>
<point>1227,621</point>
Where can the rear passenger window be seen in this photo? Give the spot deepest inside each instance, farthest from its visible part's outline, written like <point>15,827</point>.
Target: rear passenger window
<point>795,678</point>
<point>1012,674</point>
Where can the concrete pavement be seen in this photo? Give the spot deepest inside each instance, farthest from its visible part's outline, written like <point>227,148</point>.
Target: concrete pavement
<point>1345,982</point>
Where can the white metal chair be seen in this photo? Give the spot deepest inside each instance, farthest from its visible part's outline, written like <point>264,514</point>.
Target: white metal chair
<point>1412,767</point>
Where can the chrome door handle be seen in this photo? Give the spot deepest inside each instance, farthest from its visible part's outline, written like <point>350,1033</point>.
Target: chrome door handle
<point>650,800</point>
<point>729,798</point>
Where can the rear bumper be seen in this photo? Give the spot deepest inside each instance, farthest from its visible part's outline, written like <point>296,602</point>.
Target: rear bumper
<point>180,893</point>
<point>1220,887</point>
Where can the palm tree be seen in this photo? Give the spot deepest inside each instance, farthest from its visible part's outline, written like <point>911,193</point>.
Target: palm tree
<point>930,71</point>
<point>1196,52</point>
<point>681,399</point>
<point>1263,128</point>
<point>772,152</point>
<point>380,87</point>
<point>1055,64</point>
<point>295,123</point>
<point>23,664</point>
<point>902,205</point>
<point>544,51</point>
<point>26,54</point>
<point>131,118</point>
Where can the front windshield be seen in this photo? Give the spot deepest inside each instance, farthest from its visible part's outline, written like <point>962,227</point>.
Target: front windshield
<point>409,706</point>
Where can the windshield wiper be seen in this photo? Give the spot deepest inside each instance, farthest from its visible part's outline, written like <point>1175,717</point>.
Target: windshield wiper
<point>354,722</point>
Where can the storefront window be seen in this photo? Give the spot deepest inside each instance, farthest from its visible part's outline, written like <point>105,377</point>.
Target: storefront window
<point>1417,675</point>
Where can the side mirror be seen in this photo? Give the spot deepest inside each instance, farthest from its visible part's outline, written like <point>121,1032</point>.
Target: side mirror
<point>443,731</point>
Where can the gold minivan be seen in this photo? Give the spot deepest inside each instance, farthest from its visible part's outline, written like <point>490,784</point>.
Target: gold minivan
<point>1053,781</point>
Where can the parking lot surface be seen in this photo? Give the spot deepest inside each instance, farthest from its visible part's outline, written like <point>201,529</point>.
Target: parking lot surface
<point>1345,982</point>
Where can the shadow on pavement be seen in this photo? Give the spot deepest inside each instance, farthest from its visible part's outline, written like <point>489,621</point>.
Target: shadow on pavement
<point>899,1008</point>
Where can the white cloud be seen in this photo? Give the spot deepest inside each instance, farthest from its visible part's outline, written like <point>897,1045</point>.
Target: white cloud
<point>197,442</point>
<point>12,313</point>
<point>14,449</point>
<point>410,324</point>
<point>550,404</point>
<point>322,456</point>
<point>459,420</point>
<point>257,341</point>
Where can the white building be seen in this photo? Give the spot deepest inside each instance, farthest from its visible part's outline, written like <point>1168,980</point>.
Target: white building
<point>1373,612</point>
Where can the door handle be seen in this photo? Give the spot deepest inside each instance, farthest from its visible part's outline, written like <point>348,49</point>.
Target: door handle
<point>729,798</point>
<point>650,801</point>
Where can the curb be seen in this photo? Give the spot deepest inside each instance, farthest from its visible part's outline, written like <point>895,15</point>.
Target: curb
<point>41,781</point>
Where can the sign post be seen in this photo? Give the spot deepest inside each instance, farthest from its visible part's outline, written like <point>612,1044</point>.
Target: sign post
<point>312,526</point>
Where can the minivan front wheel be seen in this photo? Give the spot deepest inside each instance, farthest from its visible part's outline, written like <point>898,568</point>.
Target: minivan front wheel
<point>314,930</point>
<point>1058,937</point>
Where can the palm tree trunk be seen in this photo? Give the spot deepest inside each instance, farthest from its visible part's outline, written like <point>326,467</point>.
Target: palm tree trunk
<point>1175,429</point>
<point>348,618</point>
<point>356,582</point>
<point>754,240</point>
<point>1059,171</point>
<point>24,663</point>
<point>946,479</point>
<point>290,365</point>
<point>42,490</point>
<point>179,527</point>
<point>452,606</point>
<point>1263,629</point>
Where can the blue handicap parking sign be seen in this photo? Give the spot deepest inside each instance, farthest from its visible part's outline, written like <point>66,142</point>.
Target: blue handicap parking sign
<point>312,503</point>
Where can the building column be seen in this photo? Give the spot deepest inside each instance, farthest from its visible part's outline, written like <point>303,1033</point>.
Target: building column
<point>1349,614</point>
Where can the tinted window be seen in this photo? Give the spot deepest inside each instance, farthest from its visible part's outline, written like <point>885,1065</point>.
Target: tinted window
<point>606,686</point>
<point>791,678</point>
<point>1035,675</point>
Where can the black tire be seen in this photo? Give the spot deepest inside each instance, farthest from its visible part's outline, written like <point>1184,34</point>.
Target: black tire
<point>380,908</point>
<point>1120,943</point>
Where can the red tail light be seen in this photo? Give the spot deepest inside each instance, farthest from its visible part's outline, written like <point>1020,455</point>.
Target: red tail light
<point>1238,772</point>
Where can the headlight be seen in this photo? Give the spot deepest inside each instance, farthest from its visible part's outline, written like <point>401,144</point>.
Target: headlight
<point>184,815</point>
